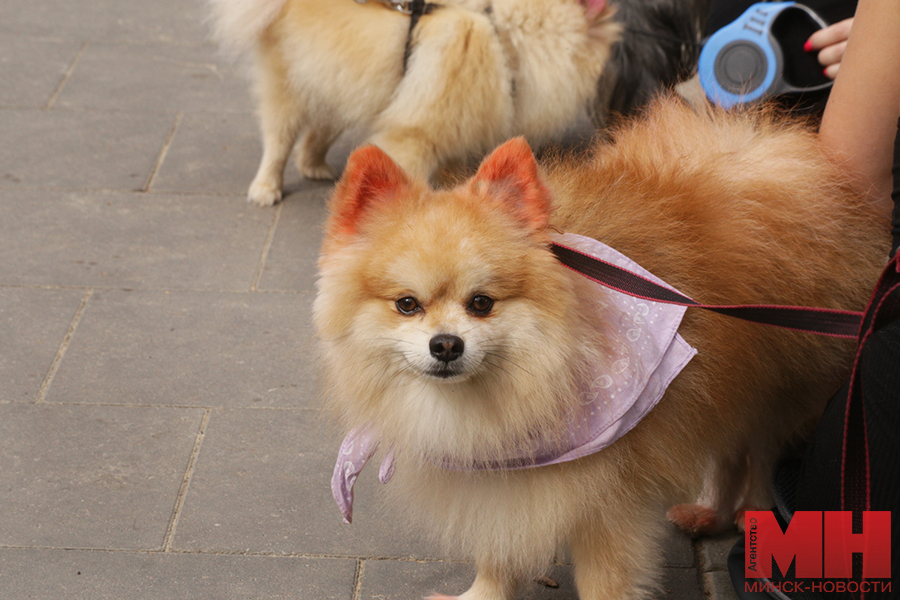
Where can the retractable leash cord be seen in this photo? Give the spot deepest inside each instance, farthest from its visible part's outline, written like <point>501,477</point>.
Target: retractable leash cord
<point>821,321</point>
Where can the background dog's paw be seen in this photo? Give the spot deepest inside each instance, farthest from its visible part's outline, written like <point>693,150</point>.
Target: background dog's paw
<point>694,519</point>
<point>263,194</point>
<point>318,172</point>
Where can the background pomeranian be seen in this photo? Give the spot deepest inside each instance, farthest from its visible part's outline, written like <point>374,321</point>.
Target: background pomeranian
<point>477,72</point>
<point>452,335</point>
<point>659,47</point>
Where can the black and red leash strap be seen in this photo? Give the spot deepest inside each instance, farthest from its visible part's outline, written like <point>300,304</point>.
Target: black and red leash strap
<point>856,473</point>
<point>884,308</point>
<point>821,321</point>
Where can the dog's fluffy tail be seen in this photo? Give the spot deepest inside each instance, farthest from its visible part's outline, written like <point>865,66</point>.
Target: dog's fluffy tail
<point>237,24</point>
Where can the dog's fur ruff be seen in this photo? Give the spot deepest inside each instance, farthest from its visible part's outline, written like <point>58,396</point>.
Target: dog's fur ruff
<point>728,208</point>
<point>474,76</point>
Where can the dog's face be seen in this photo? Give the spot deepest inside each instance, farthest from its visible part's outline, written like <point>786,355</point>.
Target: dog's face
<point>443,311</point>
<point>444,307</point>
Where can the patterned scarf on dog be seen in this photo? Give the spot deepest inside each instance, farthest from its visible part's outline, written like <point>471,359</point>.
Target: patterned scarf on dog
<point>617,398</point>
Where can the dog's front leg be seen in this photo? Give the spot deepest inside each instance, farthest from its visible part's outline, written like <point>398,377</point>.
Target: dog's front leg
<point>491,583</point>
<point>281,115</point>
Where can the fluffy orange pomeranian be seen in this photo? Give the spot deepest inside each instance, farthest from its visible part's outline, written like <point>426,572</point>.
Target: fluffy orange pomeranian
<point>453,337</point>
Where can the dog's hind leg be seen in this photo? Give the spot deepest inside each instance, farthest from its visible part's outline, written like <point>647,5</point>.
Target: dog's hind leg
<point>737,483</point>
<point>311,150</point>
<point>281,115</point>
<point>714,510</point>
<point>764,453</point>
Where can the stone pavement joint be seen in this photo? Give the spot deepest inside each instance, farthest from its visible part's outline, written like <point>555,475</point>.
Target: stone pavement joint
<point>65,78</point>
<point>42,392</point>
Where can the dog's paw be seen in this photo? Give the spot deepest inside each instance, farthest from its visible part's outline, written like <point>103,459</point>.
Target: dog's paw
<point>441,597</point>
<point>694,519</point>
<point>262,193</point>
<point>318,172</point>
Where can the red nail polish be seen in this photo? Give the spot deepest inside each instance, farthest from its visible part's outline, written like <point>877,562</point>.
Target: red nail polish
<point>808,46</point>
<point>825,72</point>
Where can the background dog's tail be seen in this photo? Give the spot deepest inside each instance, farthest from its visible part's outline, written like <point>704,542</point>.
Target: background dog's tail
<point>237,24</point>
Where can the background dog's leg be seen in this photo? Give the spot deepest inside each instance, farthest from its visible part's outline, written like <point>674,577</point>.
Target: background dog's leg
<point>714,511</point>
<point>764,453</point>
<point>311,151</point>
<point>281,116</point>
<point>618,557</point>
<point>490,584</point>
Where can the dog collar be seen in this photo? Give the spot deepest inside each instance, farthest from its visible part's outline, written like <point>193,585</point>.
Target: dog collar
<point>614,398</point>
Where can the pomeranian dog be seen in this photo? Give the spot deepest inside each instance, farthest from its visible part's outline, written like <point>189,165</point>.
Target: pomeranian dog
<point>454,339</point>
<point>443,88</point>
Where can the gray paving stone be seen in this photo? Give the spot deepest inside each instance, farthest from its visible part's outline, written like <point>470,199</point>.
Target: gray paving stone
<point>407,580</point>
<point>292,259</point>
<point>220,152</point>
<point>33,324</point>
<point>153,78</point>
<point>712,552</point>
<point>680,584</point>
<point>32,69</point>
<point>262,484</point>
<point>679,549</point>
<point>190,348</point>
<point>91,476</point>
<point>718,585</point>
<point>216,153</point>
<point>173,21</point>
<point>80,149</point>
<point>129,240</point>
<point>27,574</point>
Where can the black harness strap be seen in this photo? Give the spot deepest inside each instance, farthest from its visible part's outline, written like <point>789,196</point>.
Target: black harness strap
<point>417,8</point>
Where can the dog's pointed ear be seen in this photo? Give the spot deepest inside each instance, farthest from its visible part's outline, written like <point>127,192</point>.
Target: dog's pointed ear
<point>510,175</point>
<point>371,176</point>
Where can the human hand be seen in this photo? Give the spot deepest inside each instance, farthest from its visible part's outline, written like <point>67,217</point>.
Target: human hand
<point>830,43</point>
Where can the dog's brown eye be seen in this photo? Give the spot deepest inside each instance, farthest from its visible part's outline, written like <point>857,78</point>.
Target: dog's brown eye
<point>408,305</point>
<point>481,305</point>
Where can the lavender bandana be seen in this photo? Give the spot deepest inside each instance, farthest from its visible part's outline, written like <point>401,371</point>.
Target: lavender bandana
<point>617,397</point>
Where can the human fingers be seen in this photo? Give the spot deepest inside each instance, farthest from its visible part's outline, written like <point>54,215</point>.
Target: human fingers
<point>833,34</point>
<point>831,55</point>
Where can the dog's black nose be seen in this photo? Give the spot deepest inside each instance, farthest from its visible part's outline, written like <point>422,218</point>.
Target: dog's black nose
<point>446,348</point>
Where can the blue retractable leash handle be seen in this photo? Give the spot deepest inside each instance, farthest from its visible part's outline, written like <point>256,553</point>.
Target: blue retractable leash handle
<point>747,60</point>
